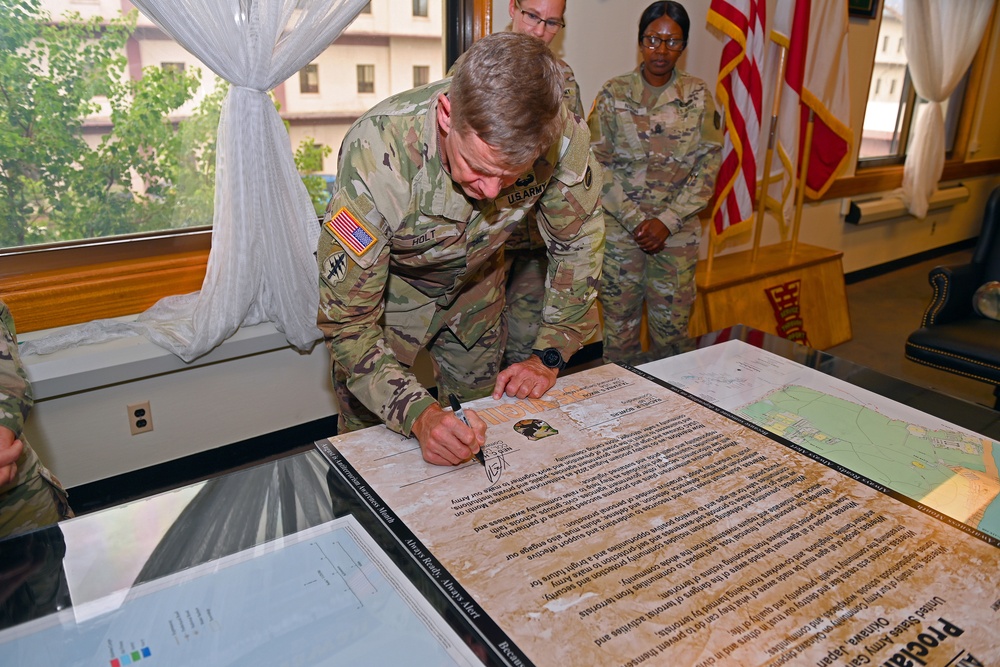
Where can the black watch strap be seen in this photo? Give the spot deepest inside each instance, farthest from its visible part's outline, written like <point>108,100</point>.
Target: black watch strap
<point>551,357</point>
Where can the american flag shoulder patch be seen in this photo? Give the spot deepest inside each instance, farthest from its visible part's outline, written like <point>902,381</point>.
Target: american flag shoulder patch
<point>351,232</point>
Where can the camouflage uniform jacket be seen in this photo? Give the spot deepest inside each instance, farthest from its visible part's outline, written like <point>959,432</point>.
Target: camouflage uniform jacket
<point>526,236</point>
<point>423,256</point>
<point>571,89</point>
<point>15,399</point>
<point>660,159</point>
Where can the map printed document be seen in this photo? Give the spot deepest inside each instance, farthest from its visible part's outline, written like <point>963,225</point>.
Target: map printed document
<point>324,596</point>
<point>620,522</point>
<point>930,460</point>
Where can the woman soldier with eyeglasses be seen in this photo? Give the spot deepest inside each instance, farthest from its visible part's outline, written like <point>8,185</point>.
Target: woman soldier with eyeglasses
<point>657,133</point>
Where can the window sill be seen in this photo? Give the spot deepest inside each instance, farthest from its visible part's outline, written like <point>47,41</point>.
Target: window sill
<point>88,367</point>
<point>881,179</point>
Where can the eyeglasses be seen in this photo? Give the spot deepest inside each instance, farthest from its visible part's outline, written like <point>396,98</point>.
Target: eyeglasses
<point>551,25</point>
<point>653,42</point>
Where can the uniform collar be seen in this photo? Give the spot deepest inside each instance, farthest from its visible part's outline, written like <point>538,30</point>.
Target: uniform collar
<point>437,194</point>
<point>674,90</point>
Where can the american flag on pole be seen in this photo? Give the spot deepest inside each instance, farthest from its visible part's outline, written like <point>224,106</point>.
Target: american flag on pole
<point>740,94</point>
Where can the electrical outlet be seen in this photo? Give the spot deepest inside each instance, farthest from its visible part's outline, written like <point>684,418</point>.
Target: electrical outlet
<point>140,418</point>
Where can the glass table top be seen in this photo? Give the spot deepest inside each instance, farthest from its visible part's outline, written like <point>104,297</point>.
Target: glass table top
<point>84,568</point>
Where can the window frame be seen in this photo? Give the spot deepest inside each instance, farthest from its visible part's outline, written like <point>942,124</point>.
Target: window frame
<point>905,124</point>
<point>364,80</point>
<point>871,178</point>
<point>305,87</point>
<point>425,74</point>
<point>420,8</point>
<point>59,285</point>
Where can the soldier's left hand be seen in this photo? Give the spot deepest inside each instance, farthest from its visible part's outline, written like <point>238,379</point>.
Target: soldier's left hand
<point>10,452</point>
<point>529,378</point>
<point>651,236</point>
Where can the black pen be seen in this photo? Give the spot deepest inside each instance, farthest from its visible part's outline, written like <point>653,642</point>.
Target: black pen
<point>456,407</point>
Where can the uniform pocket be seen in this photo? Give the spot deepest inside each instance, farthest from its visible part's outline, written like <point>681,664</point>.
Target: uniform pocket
<point>632,123</point>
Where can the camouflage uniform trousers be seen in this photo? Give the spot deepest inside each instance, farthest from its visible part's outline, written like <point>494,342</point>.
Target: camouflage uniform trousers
<point>455,372</point>
<point>38,501</point>
<point>526,271</point>
<point>665,281</point>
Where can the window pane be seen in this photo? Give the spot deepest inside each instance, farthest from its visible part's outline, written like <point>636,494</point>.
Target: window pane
<point>309,79</point>
<point>420,7</point>
<point>371,60</point>
<point>887,100</point>
<point>952,111</point>
<point>86,152</point>
<point>421,75</point>
<point>892,101</point>
<point>366,78</point>
<point>91,177</point>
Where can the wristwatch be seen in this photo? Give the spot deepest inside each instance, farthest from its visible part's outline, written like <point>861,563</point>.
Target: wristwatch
<point>551,357</point>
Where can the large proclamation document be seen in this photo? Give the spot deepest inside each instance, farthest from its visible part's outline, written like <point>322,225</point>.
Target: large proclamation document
<point>620,521</point>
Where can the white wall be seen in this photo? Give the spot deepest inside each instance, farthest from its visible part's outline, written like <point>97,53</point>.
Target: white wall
<point>601,40</point>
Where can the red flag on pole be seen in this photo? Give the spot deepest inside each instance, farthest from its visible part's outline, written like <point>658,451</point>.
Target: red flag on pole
<point>815,34</point>
<point>825,89</point>
<point>739,92</point>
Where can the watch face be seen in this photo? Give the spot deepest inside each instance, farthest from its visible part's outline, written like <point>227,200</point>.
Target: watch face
<point>552,358</point>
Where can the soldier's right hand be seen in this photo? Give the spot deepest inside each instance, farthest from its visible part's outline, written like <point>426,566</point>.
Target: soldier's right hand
<point>444,439</point>
<point>651,236</point>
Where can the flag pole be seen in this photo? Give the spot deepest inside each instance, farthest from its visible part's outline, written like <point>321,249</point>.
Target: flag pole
<point>803,172</point>
<point>711,247</point>
<point>762,202</point>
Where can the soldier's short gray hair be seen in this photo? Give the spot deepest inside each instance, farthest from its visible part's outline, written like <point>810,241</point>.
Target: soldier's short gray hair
<point>507,88</point>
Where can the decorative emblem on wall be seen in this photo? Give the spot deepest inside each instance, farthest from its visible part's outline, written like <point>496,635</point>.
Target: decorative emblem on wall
<point>787,311</point>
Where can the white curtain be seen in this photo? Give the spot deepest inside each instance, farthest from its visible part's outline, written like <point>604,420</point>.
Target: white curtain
<point>941,37</point>
<point>262,266</point>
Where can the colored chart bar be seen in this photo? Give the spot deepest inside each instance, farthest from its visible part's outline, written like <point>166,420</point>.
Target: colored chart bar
<point>129,658</point>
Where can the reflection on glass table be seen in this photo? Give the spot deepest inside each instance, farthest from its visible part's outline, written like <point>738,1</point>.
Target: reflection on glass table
<point>247,568</point>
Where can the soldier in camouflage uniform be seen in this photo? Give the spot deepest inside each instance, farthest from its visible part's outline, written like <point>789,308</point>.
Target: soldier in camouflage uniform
<point>431,183</point>
<point>30,496</point>
<point>527,263</point>
<point>544,19</point>
<point>657,133</point>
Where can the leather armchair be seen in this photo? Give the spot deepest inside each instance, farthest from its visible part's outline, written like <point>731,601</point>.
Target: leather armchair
<point>952,336</point>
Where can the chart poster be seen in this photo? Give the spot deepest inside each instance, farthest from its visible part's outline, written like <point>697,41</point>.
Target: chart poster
<point>327,595</point>
<point>622,522</point>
